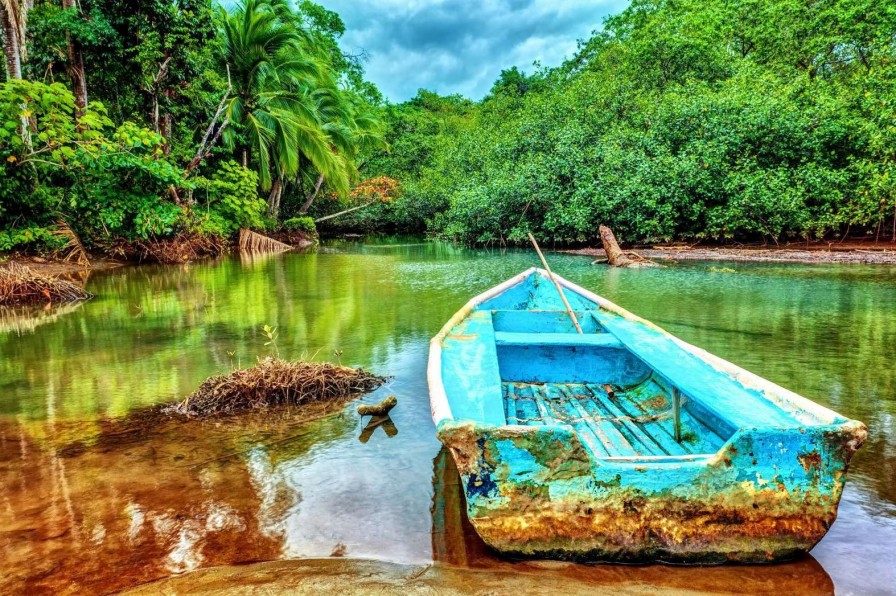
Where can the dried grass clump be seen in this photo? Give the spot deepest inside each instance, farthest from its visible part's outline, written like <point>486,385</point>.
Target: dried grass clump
<point>20,285</point>
<point>275,382</point>
<point>180,249</point>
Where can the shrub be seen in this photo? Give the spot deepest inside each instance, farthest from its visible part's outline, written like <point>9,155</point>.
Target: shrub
<point>231,200</point>
<point>37,238</point>
<point>300,224</point>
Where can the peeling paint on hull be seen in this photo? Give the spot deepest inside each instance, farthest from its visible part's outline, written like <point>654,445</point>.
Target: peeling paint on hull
<point>769,494</point>
<point>707,512</point>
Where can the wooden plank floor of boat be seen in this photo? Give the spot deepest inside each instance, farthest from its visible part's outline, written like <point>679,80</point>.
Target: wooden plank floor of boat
<point>611,426</point>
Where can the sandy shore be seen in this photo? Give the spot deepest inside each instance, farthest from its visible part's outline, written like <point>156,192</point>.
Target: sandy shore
<point>360,576</point>
<point>813,255</point>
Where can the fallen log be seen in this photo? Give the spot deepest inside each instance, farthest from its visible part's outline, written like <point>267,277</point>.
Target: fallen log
<point>617,257</point>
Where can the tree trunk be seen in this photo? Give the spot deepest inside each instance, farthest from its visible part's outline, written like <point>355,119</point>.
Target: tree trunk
<point>11,47</point>
<point>615,256</point>
<point>166,131</point>
<point>274,198</point>
<point>307,204</point>
<point>75,65</point>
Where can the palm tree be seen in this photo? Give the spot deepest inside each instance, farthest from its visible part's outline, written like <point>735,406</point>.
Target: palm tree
<point>353,129</point>
<point>276,110</point>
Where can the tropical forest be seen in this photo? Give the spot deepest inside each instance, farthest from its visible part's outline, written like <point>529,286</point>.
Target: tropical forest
<point>140,121</point>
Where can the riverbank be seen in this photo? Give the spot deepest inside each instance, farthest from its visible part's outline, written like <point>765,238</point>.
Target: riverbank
<point>59,268</point>
<point>859,254</point>
<point>169,252</point>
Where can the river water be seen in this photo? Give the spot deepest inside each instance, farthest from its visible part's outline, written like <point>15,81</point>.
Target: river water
<point>87,506</point>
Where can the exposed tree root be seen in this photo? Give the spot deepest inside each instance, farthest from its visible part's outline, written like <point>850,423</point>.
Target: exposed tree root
<point>73,249</point>
<point>179,249</point>
<point>254,242</point>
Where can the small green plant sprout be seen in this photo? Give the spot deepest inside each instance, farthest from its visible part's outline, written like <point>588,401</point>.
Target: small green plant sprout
<point>271,334</point>
<point>338,355</point>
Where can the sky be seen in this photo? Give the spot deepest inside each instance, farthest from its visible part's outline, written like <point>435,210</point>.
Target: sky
<point>461,46</point>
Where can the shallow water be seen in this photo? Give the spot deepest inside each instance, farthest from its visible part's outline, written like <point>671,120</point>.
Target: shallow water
<point>87,506</point>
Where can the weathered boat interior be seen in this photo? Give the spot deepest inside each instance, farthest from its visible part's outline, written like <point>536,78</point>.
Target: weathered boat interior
<point>628,390</point>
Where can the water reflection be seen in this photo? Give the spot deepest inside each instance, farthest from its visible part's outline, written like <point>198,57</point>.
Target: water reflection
<point>100,518</point>
<point>18,320</point>
<point>384,422</point>
<point>84,500</point>
<point>144,503</point>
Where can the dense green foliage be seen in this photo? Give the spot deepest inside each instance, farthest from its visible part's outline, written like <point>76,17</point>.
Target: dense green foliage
<point>188,112</point>
<point>692,119</point>
<point>686,119</point>
<point>105,179</point>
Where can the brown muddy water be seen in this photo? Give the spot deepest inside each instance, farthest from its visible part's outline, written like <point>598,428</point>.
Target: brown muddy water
<point>90,505</point>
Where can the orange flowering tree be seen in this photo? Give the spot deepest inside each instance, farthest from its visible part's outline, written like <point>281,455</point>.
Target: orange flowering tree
<point>381,189</point>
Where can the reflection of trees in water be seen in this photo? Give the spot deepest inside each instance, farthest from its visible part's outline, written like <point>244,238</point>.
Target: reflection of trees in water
<point>141,503</point>
<point>455,543</point>
<point>22,320</point>
<point>153,334</point>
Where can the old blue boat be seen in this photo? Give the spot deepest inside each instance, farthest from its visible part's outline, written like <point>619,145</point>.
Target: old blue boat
<point>622,442</point>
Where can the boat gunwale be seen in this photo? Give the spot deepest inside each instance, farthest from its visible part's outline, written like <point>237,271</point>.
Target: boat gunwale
<point>438,399</point>
<point>780,397</point>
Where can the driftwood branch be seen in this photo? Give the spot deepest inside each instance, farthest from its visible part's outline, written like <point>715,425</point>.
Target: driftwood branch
<point>617,257</point>
<point>380,409</point>
<point>325,218</point>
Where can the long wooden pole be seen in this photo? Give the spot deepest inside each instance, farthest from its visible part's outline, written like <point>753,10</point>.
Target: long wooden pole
<point>676,413</point>
<point>547,268</point>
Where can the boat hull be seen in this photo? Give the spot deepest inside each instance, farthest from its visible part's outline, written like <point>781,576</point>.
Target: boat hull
<point>554,465</point>
<point>538,493</point>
